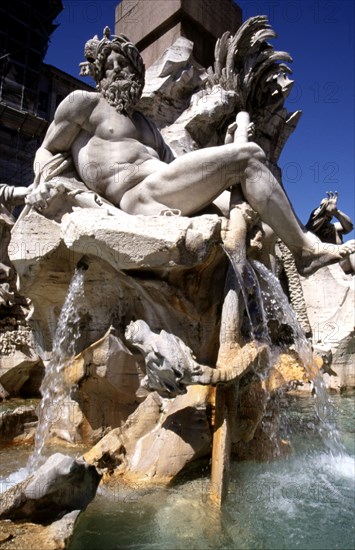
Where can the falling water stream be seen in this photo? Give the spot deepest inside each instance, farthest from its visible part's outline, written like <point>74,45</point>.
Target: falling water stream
<point>248,285</point>
<point>277,305</point>
<point>56,386</point>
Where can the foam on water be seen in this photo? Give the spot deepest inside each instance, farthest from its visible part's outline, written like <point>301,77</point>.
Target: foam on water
<point>342,465</point>
<point>13,479</point>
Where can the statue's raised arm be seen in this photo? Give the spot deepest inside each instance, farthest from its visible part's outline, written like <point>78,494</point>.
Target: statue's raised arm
<point>320,223</point>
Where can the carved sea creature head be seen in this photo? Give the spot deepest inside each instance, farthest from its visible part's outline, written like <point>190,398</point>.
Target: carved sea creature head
<point>137,332</point>
<point>117,68</point>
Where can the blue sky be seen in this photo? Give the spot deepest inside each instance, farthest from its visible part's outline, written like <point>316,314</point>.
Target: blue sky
<point>319,35</point>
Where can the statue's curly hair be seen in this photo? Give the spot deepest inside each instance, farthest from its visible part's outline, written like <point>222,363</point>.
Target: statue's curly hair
<point>120,44</point>
<point>124,95</point>
<point>97,52</point>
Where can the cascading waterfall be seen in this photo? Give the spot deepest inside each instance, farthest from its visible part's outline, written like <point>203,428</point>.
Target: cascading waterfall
<point>56,387</point>
<point>278,306</point>
<point>270,302</point>
<point>256,329</point>
<point>249,286</point>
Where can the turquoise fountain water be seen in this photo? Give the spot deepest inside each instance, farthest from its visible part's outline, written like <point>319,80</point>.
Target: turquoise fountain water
<point>301,502</point>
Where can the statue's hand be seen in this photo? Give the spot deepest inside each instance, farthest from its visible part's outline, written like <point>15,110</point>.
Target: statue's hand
<point>251,130</point>
<point>41,196</point>
<point>332,204</point>
<point>20,193</point>
<point>231,131</point>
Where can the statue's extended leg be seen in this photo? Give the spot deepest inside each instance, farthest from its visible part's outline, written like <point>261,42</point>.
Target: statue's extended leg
<point>266,196</point>
<point>193,181</point>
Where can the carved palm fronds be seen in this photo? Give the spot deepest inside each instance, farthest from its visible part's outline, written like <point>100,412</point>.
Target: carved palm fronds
<point>245,62</point>
<point>249,66</point>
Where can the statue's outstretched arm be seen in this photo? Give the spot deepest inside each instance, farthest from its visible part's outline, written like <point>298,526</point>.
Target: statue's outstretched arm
<point>344,221</point>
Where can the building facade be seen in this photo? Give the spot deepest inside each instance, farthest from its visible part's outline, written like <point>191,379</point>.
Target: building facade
<point>29,89</point>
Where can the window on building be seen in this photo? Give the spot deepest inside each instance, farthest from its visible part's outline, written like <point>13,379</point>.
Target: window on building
<point>43,101</point>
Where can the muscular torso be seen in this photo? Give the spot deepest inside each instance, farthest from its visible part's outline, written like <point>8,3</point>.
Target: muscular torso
<point>112,152</point>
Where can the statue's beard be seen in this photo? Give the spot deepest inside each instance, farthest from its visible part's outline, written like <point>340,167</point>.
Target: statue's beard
<point>122,91</point>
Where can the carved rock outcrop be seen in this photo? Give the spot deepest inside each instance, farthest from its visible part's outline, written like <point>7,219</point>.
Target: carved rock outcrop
<point>158,440</point>
<point>169,272</point>
<point>32,536</point>
<point>106,379</point>
<point>61,485</point>
<point>18,425</point>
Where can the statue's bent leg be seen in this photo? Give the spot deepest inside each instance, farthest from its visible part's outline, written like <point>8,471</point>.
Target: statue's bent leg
<point>266,196</point>
<point>194,180</point>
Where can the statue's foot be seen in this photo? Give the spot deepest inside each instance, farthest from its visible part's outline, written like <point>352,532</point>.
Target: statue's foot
<point>323,254</point>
